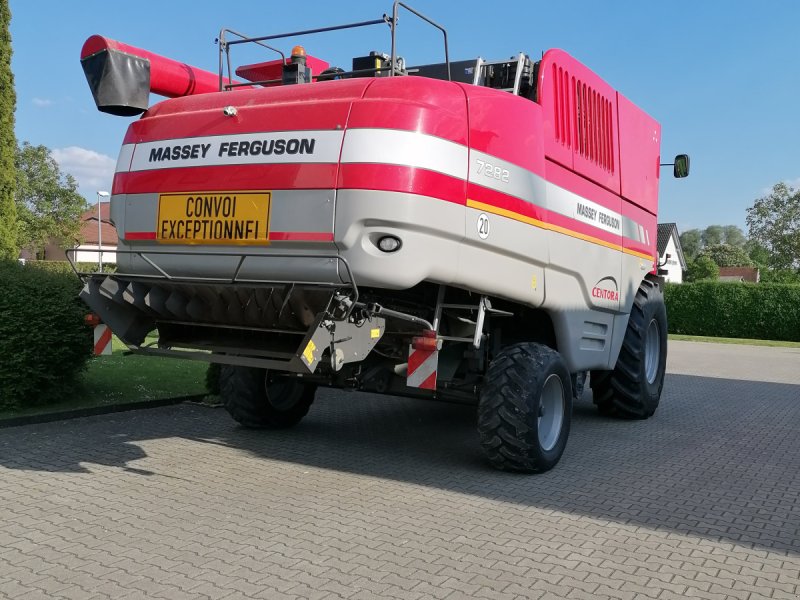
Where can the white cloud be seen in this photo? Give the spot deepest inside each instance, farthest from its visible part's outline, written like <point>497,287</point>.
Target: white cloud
<point>42,102</point>
<point>93,171</point>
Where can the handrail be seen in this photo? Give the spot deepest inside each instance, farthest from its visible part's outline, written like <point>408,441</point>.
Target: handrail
<point>224,44</point>
<point>398,4</point>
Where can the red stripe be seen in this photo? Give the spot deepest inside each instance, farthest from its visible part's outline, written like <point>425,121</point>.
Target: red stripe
<point>101,344</point>
<point>304,236</point>
<point>275,236</point>
<point>228,177</point>
<point>416,358</point>
<point>501,200</point>
<point>429,383</point>
<point>395,178</point>
<point>140,235</point>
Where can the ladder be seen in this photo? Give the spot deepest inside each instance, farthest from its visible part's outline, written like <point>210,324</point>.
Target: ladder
<point>484,72</point>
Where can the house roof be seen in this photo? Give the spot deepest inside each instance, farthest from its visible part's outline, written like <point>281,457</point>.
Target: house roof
<point>751,274</point>
<point>108,232</point>
<point>665,232</point>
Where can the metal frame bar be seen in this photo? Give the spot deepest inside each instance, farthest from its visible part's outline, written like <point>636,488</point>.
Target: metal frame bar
<point>398,4</point>
<point>225,45</point>
<point>165,276</point>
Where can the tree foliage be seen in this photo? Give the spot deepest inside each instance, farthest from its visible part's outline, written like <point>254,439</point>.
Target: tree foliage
<point>8,213</point>
<point>734,236</point>
<point>757,253</point>
<point>48,203</point>
<point>780,276</point>
<point>702,268</point>
<point>691,243</point>
<point>713,235</point>
<point>774,222</point>
<point>725,255</point>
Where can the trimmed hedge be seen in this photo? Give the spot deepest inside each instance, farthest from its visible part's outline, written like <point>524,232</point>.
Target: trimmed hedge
<point>761,311</point>
<point>44,343</point>
<point>63,266</point>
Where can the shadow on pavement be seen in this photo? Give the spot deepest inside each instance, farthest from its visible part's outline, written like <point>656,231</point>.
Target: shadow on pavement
<point>721,458</point>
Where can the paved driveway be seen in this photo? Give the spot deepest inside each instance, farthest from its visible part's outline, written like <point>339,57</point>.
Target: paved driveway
<point>389,498</point>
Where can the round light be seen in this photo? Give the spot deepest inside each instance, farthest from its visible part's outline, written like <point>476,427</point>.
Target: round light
<point>389,243</point>
<point>298,51</point>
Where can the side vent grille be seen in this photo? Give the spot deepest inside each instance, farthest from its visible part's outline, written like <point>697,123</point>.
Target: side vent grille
<point>583,119</point>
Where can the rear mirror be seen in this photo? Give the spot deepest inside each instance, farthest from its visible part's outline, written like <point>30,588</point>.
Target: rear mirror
<point>681,167</point>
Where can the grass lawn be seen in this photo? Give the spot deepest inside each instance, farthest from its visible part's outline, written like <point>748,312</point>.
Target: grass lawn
<point>716,340</point>
<point>120,379</point>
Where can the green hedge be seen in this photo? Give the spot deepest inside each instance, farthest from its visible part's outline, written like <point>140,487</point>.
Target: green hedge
<point>62,266</point>
<point>44,343</point>
<point>761,311</point>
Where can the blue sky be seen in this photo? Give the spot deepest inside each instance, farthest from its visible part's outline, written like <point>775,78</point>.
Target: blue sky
<point>722,77</point>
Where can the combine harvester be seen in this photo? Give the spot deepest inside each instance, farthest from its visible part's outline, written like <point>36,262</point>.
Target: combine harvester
<point>476,231</point>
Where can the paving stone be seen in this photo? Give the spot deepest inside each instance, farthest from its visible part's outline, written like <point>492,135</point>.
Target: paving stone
<point>376,497</point>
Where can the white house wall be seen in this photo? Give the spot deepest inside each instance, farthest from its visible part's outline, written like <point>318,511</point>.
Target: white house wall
<point>673,265</point>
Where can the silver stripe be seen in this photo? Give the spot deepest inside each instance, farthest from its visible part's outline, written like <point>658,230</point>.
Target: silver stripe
<point>579,208</point>
<point>211,152</point>
<point>406,148</point>
<point>124,158</point>
<point>425,370</point>
<point>506,177</point>
<point>630,228</point>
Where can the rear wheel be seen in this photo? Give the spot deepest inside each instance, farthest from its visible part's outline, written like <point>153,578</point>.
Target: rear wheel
<point>259,399</point>
<point>633,389</point>
<point>525,408</point>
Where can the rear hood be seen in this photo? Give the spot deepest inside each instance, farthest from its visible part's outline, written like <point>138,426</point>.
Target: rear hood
<point>276,138</point>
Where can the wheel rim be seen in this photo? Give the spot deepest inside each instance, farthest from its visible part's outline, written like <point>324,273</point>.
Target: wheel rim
<point>281,394</point>
<point>652,351</point>
<point>551,412</point>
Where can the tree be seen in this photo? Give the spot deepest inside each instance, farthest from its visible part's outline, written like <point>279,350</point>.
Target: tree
<point>725,255</point>
<point>757,253</point>
<point>691,243</point>
<point>702,268</point>
<point>780,276</point>
<point>713,234</point>
<point>774,222</point>
<point>8,213</point>
<point>48,203</point>
<point>734,236</point>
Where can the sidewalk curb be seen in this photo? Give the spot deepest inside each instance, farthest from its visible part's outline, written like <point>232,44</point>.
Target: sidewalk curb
<point>94,411</point>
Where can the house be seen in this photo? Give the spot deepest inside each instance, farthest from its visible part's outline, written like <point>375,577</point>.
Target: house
<point>87,249</point>
<point>670,253</point>
<point>738,274</point>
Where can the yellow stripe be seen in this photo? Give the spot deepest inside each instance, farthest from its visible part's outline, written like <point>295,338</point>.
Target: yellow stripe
<point>551,227</point>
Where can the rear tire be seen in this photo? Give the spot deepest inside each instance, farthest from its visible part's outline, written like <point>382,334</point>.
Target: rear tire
<point>257,400</point>
<point>633,389</point>
<point>525,408</point>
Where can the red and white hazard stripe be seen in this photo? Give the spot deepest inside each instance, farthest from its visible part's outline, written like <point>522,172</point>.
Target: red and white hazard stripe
<point>102,340</point>
<point>422,366</point>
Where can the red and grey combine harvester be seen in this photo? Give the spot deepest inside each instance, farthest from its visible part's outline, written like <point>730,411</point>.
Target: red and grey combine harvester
<point>477,231</point>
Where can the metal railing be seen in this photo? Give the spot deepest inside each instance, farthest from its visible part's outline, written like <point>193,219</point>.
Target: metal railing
<point>225,45</point>
<point>163,275</point>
